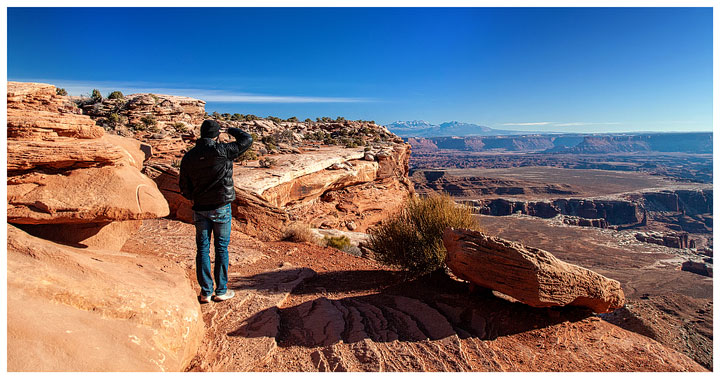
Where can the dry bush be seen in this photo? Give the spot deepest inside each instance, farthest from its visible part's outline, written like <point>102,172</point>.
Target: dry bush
<point>299,232</point>
<point>412,239</point>
<point>340,243</point>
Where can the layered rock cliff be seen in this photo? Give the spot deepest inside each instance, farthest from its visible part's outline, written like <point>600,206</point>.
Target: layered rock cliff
<point>81,304</point>
<point>312,181</point>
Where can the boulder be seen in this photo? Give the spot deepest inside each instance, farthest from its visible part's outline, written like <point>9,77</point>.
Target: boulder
<point>100,194</point>
<point>72,309</point>
<point>63,169</point>
<point>532,276</point>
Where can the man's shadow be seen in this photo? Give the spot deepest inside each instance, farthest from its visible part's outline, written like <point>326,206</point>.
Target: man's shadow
<point>388,308</point>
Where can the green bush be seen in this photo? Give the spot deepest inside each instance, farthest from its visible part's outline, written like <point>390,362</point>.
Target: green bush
<point>148,120</point>
<point>96,95</point>
<point>180,127</point>
<point>61,91</point>
<point>248,155</point>
<point>116,95</point>
<point>340,243</point>
<point>412,239</point>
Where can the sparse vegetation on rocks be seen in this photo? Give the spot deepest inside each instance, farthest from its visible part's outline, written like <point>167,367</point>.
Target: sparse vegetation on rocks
<point>180,127</point>
<point>96,95</point>
<point>412,239</point>
<point>267,162</point>
<point>340,243</point>
<point>148,121</point>
<point>115,95</point>
<point>299,232</point>
<point>61,92</point>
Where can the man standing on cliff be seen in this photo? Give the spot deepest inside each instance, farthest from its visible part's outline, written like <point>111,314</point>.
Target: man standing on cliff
<point>206,178</point>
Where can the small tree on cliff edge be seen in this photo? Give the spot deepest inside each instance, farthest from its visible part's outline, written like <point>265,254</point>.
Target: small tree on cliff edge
<point>412,239</point>
<point>96,95</point>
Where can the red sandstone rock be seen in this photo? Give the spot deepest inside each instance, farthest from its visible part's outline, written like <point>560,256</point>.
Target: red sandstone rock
<point>531,276</point>
<point>62,169</point>
<point>75,309</point>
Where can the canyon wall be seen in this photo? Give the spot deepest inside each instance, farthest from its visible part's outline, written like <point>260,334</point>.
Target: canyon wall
<point>692,142</point>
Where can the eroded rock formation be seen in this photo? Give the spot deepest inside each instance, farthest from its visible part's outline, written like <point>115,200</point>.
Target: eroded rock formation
<point>65,170</point>
<point>83,305</point>
<point>331,186</point>
<point>676,240</point>
<point>156,113</point>
<point>73,309</point>
<point>615,212</point>
<point>531,276</point>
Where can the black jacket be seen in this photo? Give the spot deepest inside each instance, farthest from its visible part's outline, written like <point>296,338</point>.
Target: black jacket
<point>206,171</point>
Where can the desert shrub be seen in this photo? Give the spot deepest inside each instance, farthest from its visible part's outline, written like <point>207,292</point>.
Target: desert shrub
<point>180,127</point>
<point>176,163</point>
<point>299,232</point>
<point>61,91</point>
<point>412,239</point>
<point>308,120</point>
<point>340,243</point>
<point>248,155</point>
<point>267,162</point>
<point>293,119</point>
<point>114,118</point>
<point>148,120</point>
<point>96,95</point>
<point>274,119</point>
<point>116,95</point>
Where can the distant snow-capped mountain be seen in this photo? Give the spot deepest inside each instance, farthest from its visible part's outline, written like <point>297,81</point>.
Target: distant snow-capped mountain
<point>420,128</point>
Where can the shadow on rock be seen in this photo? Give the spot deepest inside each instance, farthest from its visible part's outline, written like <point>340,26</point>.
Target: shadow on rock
<point>281,280</point>
<point>429,308</point>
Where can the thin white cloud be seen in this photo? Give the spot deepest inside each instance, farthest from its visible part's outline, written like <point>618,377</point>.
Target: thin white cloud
<point>548,123</point>
<point>586,123</point>
<point>526,123</point>
<point>78,88</point>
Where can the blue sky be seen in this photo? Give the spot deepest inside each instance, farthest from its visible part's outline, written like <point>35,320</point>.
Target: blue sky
<point>539,69</point>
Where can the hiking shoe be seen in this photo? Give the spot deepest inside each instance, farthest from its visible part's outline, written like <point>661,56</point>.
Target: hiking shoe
<point>204,299</point>
<point>227,295</point>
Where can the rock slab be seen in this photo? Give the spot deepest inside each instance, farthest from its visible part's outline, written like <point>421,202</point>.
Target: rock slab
<point>532,276</point>
<point>73,309</point>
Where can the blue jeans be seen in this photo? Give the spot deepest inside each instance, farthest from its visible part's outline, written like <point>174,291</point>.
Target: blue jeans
<point>207,222</point>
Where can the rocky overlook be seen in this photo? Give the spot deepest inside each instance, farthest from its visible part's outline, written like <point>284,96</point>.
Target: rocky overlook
<point>101,258</point>
<point>71,183</point>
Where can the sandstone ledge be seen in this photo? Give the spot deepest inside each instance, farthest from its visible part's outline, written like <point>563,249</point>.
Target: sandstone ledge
<point>97,310</point>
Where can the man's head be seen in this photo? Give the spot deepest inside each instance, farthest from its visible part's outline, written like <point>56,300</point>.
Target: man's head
<point>209,129</point>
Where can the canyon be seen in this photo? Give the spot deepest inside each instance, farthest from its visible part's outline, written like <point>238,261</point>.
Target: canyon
<point>638,210</point>
<point>101,243</point>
